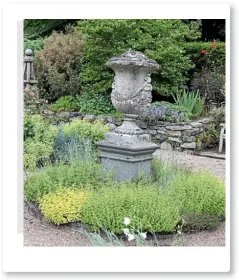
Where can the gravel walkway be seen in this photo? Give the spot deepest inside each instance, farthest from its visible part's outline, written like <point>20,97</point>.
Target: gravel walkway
<point>214,165</point>
<point>41,233</point>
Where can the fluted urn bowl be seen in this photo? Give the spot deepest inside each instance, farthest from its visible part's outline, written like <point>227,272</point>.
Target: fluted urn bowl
<point>131,89</point>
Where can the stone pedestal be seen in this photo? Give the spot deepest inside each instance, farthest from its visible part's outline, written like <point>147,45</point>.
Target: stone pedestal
<point>127,152</point>
<point>127,156</point>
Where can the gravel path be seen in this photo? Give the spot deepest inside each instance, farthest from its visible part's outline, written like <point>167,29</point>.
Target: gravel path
<point>216,166</point>
<point>41,233</point>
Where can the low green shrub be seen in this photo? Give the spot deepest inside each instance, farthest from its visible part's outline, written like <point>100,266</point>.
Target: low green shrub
<point>198,193</point>
<point>94,104</point>
<point>209,138</point>
<point>38,141</point>
<point>148,208</point>
<point>218,115</point>
<point>63,206</point>
<point>28,127</point>
<point>64,103</point>
<point>199,221</point>
<point>85,130</point>
<point>82,174</point>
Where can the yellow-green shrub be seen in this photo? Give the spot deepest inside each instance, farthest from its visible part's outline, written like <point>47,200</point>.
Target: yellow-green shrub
<point>38,146</point>
<point>199,192</point>
<point>63,206</point>
<point>147,207</point>
<point>95,131</point>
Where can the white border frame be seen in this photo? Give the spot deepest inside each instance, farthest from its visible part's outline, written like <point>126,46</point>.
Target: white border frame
<point>18,258</point>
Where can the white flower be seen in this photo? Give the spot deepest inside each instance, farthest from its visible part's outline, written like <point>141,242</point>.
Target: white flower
<point>126,221</point>
<point>130,237</point>
<point>179,232</point>
<point>126,231</point>
<point>143,235</point>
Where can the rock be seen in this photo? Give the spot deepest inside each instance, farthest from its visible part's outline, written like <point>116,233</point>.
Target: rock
<point>114,120</point>
<point>48,112</point>
<point>77,118</point>
<point>162,131</point>
<point>152,132</point>
<point>142,124</point>
<point>111,126</point>
<point>74,114</point>
<point>157,127</point>
<point>178,127</point>
<point>166,146</point>
<point>174,133</point>
<point>196,124</point>
<point>109,119</point>
<point>160,137</point>
<point>191,132</point>
<point>174,139</point>
<point>189,138</point>
<point>89,118</point>
<point>205,120</point>
<point>63,115</point>
<point>161,123</point>
<point>191,145</point>
<point>102,118</point>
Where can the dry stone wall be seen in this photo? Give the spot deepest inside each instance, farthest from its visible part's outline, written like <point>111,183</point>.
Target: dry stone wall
<point>169,136</point>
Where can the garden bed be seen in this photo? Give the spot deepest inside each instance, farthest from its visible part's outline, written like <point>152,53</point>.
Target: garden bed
<point>80,227</point>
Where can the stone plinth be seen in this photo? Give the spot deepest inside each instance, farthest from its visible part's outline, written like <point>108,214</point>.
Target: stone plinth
<point>127,162</point>
<point>127,152</point>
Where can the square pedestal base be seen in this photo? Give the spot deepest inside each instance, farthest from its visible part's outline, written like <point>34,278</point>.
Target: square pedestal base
<point>127,162</point>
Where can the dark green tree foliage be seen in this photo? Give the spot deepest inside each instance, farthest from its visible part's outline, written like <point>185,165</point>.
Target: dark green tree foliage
<point>161,40</point>
<point>34,28</point>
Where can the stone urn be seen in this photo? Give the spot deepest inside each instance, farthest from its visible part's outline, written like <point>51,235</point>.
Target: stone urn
<point>127,151</point>
<point>131,89</point>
